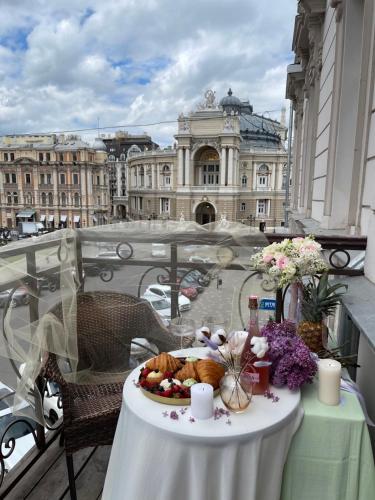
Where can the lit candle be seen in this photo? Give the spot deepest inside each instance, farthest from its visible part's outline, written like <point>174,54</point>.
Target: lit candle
<point>202,401</point>
<point>329,381</point>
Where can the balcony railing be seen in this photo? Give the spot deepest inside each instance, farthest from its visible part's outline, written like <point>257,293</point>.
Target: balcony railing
<point>136,266</point>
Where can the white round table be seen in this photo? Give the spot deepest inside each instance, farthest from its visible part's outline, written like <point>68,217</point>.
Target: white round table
<point>240,457</point>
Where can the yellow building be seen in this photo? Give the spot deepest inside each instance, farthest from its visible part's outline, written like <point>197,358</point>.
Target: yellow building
<point>227,162</point>
<point>59,181</point>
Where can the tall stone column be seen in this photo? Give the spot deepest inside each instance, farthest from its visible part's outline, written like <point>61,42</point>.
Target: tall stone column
<point>254,177</point>
<point>118,178</point>
<point>230,167</point>
<point>154,174</point>
<point>56,200</point>
<point>180,166</point>
<point>83,188</point>
<point>187,166</point>
<point>223,165</point>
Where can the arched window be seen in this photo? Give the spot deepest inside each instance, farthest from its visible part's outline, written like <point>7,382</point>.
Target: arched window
<point>50,199</point>
<point>29,199</point>
<point>15,198</point>
<point>44,199</point>
<point>63,199</point>
<point>9,198</point>
<point>166,170</point>
<point>122,157</point>
<point>76,200</point>
<point>244,181</point>
<point>263,176</point>
<point>111,158</point>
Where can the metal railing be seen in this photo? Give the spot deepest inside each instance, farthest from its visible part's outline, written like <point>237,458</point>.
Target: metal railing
<point>125,250</point>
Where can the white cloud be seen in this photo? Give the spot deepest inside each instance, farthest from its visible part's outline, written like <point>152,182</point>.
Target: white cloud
<point>68,62</point>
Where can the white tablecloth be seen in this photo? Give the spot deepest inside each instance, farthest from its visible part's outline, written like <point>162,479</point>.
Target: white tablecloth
<point>156,458</point>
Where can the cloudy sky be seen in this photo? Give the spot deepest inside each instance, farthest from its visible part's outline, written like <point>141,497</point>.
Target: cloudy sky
<point>66,63</point>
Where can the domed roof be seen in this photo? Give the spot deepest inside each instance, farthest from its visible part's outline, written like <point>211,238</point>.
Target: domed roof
<point>99,145</point>
<point>230,101</point>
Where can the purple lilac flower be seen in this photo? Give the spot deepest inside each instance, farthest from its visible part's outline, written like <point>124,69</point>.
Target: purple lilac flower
<point>292,363</point>
<point>173,415</point>
<point>191,419</point>
<point>165,414</point>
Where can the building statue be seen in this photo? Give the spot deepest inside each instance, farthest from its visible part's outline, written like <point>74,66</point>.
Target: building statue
<point>210,101</point>
<point>228,125</point>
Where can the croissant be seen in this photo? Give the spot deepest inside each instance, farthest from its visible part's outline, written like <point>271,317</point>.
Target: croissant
<point>210,372</point>
<point>187,371</point>
<point>164,362</point>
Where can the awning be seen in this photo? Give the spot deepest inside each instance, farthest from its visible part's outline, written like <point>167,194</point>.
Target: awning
<point>76,218</point>
<point>63,218</point>
<point>42,218</point>
<point>95,219</point>
<point>50,218</point>
<point>26,213</point>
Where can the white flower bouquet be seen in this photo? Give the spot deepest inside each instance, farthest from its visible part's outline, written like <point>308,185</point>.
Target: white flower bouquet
<point>290,260</point>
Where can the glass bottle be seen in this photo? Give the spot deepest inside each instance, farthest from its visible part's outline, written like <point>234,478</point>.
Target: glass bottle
<point>255,371</point>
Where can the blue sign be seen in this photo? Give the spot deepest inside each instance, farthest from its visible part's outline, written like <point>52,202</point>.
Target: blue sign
<point>267,305</point>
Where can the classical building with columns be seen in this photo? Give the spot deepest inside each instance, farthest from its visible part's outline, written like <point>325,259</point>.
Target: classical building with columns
<point>60,181</point>
<point>227,162</point>
<point>118,146</point>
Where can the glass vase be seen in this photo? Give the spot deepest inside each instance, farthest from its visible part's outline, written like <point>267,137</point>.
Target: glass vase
<point>234,396</point>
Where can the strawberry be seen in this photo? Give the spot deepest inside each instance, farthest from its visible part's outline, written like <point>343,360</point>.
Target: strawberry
<point>168,375</point>
<point>168,393</point>
<point>143,383</point>
<point>175,388</point>
<point>145,372</point>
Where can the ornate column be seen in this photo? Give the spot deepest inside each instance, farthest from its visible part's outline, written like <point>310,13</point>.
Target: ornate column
<point>223,165</point>
<point>154,174</point>
<point>254,176</point>
<point>83,187</point>
<point>118,178</point>
<point>187,166</point>
<point>230,166</point>
<point>180,166</point>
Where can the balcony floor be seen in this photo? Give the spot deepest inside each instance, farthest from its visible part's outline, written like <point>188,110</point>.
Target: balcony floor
<point>48,479</point>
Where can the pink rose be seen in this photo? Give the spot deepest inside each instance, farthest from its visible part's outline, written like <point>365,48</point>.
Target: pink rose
<point>267,258</point>
<point>282,262</point>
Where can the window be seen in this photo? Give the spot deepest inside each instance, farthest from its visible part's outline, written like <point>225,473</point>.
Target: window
<point>6,157</point>
<point>244,181</point>
<point>40,156</point>
<point>28,178</point>
<point>63,199</point>
<point>98,180</point>
<point>7,178</point>
<point>164,205</point>
<point>167,181</point>
<point>74,156</point>
<point>243,207</point>
<point>263,176</point>
<point>76,200</point>
<point>15,198</point>
<point>210,174</point>
<point>140,203</point>
<point>111,158</point>
<point>50,199</point>
<point>149,180</point>
<point>75,179</point>
<point>29,199</point>
<point>142,176</point>
<point>98,200</point>
<point>49,178</point>
<point>14,178</point>
<point>48,156</point>
<point>122,157</point>
<point>62,178</point>
<point>262,207</point>
<point>44,199</point>
<point>9,198</point>
<point>11,156</point>
<point>42,179</point>
<point>61,157</point>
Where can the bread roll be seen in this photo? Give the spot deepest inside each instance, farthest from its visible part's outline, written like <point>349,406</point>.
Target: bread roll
<point>164,362</point>
<point>210,372</point>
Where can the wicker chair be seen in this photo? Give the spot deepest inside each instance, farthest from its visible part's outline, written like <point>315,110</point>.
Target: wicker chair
<point>106,324</point>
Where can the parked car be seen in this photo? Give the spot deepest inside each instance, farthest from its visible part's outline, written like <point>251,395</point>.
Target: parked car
<point>51,283</point>
<point>198,259</point>
<point>164,291</point>
<point>189,292</point>
<point>189,280</point>
<point>20,297</point>
<point>110,258</point>
<point>161,306</point>
<point>158,250</point>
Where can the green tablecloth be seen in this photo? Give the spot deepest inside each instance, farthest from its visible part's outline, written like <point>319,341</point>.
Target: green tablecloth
<point>330,457</point>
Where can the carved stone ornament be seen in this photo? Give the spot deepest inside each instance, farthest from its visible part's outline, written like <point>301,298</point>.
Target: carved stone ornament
<point>198,143</point>
<point>184,126</point>
<point>228,125</point>
<point>209,102</point>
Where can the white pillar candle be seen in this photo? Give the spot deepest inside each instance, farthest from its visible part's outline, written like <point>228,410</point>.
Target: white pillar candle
<point>202,401</point>
<point>329,371</point>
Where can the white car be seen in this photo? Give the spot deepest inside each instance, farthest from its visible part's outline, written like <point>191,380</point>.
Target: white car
<point>158,250</point>
<point>161,306</point>
<point>197,259</point>
<point>164,292</point>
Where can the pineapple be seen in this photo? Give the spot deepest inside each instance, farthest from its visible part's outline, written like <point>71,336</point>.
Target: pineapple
<point>318,301</point>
